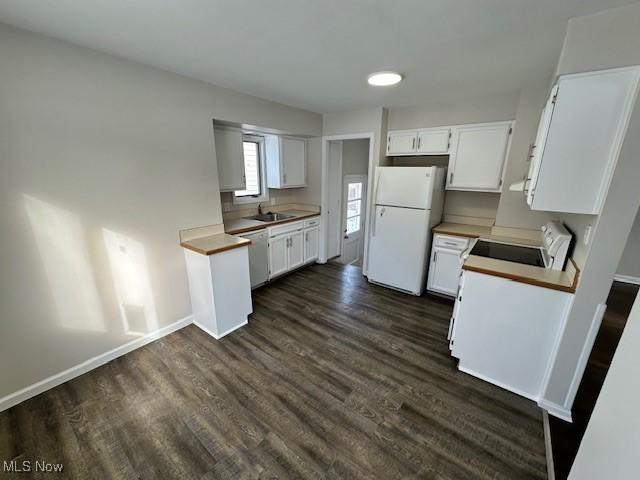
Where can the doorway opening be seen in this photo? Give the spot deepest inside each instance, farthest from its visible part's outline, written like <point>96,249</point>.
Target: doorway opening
<point>347,164</point>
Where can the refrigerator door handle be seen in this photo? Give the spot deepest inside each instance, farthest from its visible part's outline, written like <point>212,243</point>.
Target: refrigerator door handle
<point>375,221</point>
<point>373,227</point>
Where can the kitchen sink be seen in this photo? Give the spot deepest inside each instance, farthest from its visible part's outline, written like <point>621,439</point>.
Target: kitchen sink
<point>269,217</point>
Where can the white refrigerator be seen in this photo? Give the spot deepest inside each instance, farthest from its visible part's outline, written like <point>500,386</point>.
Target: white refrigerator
<point>408,203</point>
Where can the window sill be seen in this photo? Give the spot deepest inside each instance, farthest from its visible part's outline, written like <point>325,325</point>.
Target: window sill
<point>247,200</point>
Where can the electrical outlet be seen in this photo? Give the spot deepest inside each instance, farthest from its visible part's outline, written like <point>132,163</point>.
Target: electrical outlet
<point>587,234</point>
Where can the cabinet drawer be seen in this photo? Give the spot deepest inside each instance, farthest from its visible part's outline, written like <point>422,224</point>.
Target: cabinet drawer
<point>312,222</point>
<point>286,228</point>
<point>455,243</point>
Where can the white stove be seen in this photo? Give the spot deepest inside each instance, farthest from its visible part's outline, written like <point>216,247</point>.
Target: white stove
<point>556,240</point>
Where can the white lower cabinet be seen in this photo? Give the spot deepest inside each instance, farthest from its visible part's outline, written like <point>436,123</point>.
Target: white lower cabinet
<point>278,255</point>
<point>445,264</point>
<point>311,244</point>
<point>292,245</point>
<point>505,332</point>
<point>296,249</point>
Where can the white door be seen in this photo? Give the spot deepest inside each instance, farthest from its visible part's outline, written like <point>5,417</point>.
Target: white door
<point>397,248</point>
<point>353,215</point>
<point>278,247</point>
<point>444,271</point>
<point>434,141</point>
<point>401,142</point>
<point>478,153</point>
<point>293,158</point>
<point>311,237</point>
<point>230,159</point>
<point>404,186</point>
<point>296,249</point>
<point>334,212</point>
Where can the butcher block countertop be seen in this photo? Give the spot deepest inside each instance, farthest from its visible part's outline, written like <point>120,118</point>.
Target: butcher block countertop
<point>564,281</point>
<point>244,225</point>
<point>213,244</point>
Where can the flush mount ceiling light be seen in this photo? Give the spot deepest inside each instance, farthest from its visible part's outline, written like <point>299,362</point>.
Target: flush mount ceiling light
<point>384,79</point>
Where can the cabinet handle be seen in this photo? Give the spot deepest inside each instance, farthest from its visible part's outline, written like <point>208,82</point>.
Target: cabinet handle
<point>450,178</point>
<point>435,256</point>
<point>413,144</point>
<point>453,244</point>
<point>306,237</point>
<point>419,142</point>
<point>284,178</point>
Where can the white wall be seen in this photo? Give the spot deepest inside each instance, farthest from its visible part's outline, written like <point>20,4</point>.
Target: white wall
<point>606,39</point>
<point>630,262</point>
<point>359,121</point>
<point>609,448</point>
<point>102,162</point>
<point>513,211</point>
<point>355,157</point>
<point>471,110</point>
<point>312,195</point>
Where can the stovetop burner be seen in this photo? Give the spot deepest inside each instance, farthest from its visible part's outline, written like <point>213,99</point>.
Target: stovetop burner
<point>511,253</point>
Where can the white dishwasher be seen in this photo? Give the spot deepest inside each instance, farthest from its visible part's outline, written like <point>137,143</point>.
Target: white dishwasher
<point>258,257</point>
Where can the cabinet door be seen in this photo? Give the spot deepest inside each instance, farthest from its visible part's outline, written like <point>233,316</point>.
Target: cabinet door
<point>296,249</point>
<point>478,154</point>
<point>444,271</point>
<point>434,141</point>
<point>278,255</point>
<point>401,142</point>
<point>311,236</point>
<point>293,162</point>
<point>230,158</point>
<point>585,132</point>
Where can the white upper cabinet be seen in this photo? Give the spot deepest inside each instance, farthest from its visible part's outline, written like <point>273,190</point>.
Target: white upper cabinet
<point>402,142</point>
<point>579,139</point>
<point>286,161</point>
<point>230,158</point>
<point>478,155</point>
<point>433,141</point>
<point>426,141</point>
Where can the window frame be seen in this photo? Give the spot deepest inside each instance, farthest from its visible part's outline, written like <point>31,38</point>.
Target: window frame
<point>262,174</point>
<point>358,199</point>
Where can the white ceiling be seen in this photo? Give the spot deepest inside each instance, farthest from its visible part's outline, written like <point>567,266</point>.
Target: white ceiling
<point>316,54</point>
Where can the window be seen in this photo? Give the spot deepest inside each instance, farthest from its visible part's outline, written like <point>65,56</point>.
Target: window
<point>354,207</point>
<point>254,167</point>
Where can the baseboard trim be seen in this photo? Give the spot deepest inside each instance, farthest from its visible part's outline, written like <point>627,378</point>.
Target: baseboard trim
<point>218,337</point>
<point>551,472</point>
<point>54,380</point>
<point>556,410</point>
<point>497,383</point>
<point>627,279</point>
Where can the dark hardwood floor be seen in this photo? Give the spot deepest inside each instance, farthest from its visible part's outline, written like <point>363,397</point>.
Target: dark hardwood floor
<point>566,437</point>
<point>332,378</point>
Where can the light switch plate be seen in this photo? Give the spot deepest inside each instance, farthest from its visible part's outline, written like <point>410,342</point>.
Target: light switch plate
<point>587,234</point>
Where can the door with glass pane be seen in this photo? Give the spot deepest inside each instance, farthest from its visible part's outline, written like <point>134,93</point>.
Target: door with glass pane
<point>353,214</point>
